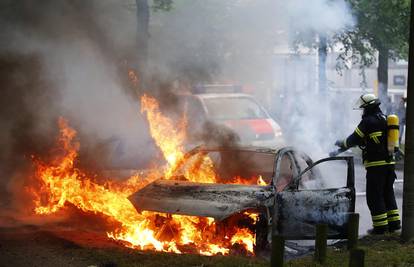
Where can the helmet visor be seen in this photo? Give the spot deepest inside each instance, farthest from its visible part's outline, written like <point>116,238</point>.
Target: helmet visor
<point>366,100</point>
<point>358,104</point>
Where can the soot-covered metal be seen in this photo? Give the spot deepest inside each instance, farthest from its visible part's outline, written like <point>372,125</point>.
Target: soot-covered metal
<point>294,212</point>
<point>300,211</point>
<point>218,201</point>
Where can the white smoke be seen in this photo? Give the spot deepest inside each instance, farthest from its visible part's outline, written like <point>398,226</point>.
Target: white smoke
<point>320,16</point>
<point>82,47</point>
<point>312,120</point>
<point>67,58</point>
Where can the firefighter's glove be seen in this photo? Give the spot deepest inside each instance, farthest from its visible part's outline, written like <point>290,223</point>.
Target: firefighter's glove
<point>340,144</point>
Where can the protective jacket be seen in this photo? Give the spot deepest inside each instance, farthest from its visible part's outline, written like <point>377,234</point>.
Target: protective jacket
<point>371,136</point>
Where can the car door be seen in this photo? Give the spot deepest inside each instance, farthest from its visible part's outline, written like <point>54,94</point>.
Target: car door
<point>297,211</point>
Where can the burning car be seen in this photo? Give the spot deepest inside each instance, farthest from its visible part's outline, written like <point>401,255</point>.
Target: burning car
<point>267,182</point>
<point>209,201</point>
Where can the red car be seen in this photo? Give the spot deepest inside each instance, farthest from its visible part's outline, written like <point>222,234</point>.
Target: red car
<point>239,112</point>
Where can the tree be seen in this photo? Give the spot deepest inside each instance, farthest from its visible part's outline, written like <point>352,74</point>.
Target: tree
<point>382,27</point>
<point>143,14</point>
<point>143,17</point>
<point>408,196</point>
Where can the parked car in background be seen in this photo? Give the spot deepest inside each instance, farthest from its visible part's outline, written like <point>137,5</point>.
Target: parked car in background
<point>224,105</point>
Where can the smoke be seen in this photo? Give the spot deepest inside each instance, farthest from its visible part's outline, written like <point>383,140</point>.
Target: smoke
<point>216,41</point>
<point>312,119</point>
<point>256,43</point>
<point>320,16</point>
<point>25,120</point>
<point>71,58</point>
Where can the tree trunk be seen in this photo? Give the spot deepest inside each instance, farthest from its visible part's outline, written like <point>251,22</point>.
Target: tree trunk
<point>322,116</point>
<point>322,53</point>
<point>382,73</point>
<point>408,195</point>
<point>142,36</point>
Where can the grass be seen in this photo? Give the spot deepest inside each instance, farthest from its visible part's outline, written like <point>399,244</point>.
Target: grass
<point>384,251</point>
<point>381,251</point>
<point>119,258</point>
<point>48,249</point>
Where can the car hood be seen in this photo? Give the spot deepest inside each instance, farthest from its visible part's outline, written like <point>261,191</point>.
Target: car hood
<point>218,201</point>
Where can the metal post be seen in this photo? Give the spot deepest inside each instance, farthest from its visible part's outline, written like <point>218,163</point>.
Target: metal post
<point>353,227</point>
<point>278,251</point>
<point>278,241</point>
<point>357,258</point>
<point>320,243</point>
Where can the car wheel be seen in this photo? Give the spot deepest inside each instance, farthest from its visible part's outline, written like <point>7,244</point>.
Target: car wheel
<point>262,243</point>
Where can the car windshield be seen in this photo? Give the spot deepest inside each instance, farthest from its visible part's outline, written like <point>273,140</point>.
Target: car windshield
<point>227,166</point>
<point>233,108</point>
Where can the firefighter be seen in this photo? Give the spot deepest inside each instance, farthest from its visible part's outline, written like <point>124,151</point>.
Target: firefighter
<point>371,136</point>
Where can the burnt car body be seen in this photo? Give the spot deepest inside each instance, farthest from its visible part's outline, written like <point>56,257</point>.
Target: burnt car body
<point>284,204</point>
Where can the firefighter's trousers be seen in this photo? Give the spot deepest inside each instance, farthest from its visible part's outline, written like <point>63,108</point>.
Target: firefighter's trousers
<point>380,198</point>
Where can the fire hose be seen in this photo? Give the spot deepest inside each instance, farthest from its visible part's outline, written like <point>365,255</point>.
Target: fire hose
<point>337,152</point>
<point>398,155</point>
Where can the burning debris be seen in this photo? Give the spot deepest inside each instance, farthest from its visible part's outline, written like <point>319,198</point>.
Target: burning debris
<point>192,205</point>
<point>60,182</point>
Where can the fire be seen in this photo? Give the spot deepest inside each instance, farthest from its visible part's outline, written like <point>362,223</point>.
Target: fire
<point>243,236</point>
<point>61,182</point>
<point>168,139</point>
<point>260,181</point>
<point>252,180</point>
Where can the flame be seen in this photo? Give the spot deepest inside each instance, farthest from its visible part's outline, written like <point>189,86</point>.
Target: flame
<point>260,181</point>
<point>248,181</point>
<point>162,129</point>
<point>243,237</point>
<point>60,182</point>
<point>170,141</point>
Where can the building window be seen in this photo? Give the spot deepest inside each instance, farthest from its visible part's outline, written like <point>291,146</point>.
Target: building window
<point>399,80</point>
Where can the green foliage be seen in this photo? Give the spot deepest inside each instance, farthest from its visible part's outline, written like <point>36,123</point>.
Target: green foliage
<point>162,5</point>
<point>381,25</point>
<point>307,38</point>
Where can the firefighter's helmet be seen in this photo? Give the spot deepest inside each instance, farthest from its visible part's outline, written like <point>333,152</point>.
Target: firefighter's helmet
<point>367,100</point>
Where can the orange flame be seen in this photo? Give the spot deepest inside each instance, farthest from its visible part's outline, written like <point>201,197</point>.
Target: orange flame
<point>168,139</point>
<point>260,181</point>
<point>243,237</point>
<point>60,182</point>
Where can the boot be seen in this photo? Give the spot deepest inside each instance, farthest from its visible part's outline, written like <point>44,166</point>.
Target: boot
<point>394,226</point>
<point>378,230</point>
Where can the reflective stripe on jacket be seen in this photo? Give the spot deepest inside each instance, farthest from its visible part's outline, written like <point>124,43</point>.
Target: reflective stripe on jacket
<point>371,136</point>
